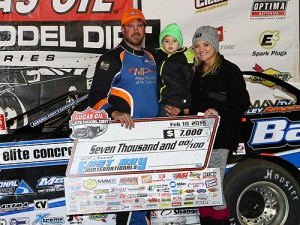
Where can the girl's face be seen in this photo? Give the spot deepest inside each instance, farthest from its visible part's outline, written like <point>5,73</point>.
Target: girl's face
<point>205,51</point>
<point>170,44</point>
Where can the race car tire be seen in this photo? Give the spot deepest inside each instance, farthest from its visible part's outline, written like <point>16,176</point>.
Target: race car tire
<point>258,191</point>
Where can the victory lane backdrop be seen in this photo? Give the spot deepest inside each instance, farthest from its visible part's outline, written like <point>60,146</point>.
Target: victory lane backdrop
<point>54,45</point>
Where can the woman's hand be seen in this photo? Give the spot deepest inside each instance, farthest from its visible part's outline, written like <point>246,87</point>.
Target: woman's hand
<point>211,111</point>
<point>172,110</point>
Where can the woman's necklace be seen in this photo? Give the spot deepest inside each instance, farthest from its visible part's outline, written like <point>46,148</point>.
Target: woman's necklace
<point>205,68</point>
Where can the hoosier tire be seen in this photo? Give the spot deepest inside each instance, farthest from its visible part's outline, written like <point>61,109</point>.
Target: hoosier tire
<point>260,192</point>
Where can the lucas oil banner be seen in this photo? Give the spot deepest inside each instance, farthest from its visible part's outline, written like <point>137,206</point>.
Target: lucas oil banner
<point>51,47</point>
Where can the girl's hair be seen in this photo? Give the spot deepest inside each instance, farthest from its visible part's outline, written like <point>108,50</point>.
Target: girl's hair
<point>216,64</point>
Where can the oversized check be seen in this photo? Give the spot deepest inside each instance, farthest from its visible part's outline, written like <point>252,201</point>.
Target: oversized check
<point>161,163</point>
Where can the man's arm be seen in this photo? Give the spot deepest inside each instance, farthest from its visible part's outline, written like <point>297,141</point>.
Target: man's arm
<point>106,69</point>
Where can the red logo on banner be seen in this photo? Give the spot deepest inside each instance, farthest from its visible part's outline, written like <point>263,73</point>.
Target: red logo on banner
<point>88,124</point>
<point>221,33</point>
<point>67,10</point>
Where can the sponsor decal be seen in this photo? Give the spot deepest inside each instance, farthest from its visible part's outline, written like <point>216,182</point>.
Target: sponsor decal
<point>59,110</point>
<point>194,174</point>
<point>188,203</point>
<point>211,183</point>
<point>146,179</point>
<point>202,196</point>
<point>102,191</point>
<point>97,196</point>
<point>75,185</point>
<point>90,184</point>
<point>226,47</point>
<point>23,189</point>
<point>275,132</point>
<point>75,219</point>
<point>258,104</point>
<point>273,176</point>
<point>195,184</point>
<point>165,205</point>
<point>63,10</point>
<point>14,206</point>
<point>166,195</point>
<point>180,175</point>
<point>40,204</point>
<point>161,177</point>
<point>99,217</point>
<point>262,8</point>
<point>138,188</point>
<point>107,181</point>
<point>8,187</point>
<point>113,203</point>
<point>209,175</point>
<point>118,189</point>
<point>268,40</point>
<point>89,124</point>
<point>285,76</point>
<point>45,219</point>
<point>34,153</point>
<point>128,181</point>
<point>19,221</point>
<point>178,192</point>
<point>205,5</point>
<point>172,184</point>
<point>51,184</point>
<point>151,188</point>
<point>141,71</point>
<point>241,150</point>
<point>153,200</point>
<point>104,65</point>
<point>282,109</point>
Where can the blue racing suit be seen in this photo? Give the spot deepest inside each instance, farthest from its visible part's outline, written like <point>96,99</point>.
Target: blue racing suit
<point>125,80</point>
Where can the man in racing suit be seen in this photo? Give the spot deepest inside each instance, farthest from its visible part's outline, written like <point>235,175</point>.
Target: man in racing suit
<point>125,86</point>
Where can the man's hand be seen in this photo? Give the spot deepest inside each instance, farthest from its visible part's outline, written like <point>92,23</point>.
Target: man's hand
<point>124,118</point>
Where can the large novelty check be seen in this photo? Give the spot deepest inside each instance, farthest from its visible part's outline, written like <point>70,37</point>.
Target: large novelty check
<point>161,163</point>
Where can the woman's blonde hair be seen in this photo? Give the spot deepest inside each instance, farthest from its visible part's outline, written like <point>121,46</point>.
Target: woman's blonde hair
<point>213,68</point>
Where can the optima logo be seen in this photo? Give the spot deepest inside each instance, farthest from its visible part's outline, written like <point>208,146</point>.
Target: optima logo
<point>268,8</point>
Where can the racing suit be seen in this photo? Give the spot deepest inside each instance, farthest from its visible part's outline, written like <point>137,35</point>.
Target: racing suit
<point>125,80</point>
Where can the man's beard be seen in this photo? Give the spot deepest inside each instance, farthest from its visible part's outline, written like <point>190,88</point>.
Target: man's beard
<point>135,41</point>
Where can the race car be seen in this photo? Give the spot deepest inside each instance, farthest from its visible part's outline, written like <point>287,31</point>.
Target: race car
<point>262,183</point>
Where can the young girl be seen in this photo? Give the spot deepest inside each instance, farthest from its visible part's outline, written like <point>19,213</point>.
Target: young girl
<point>174,63</point>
